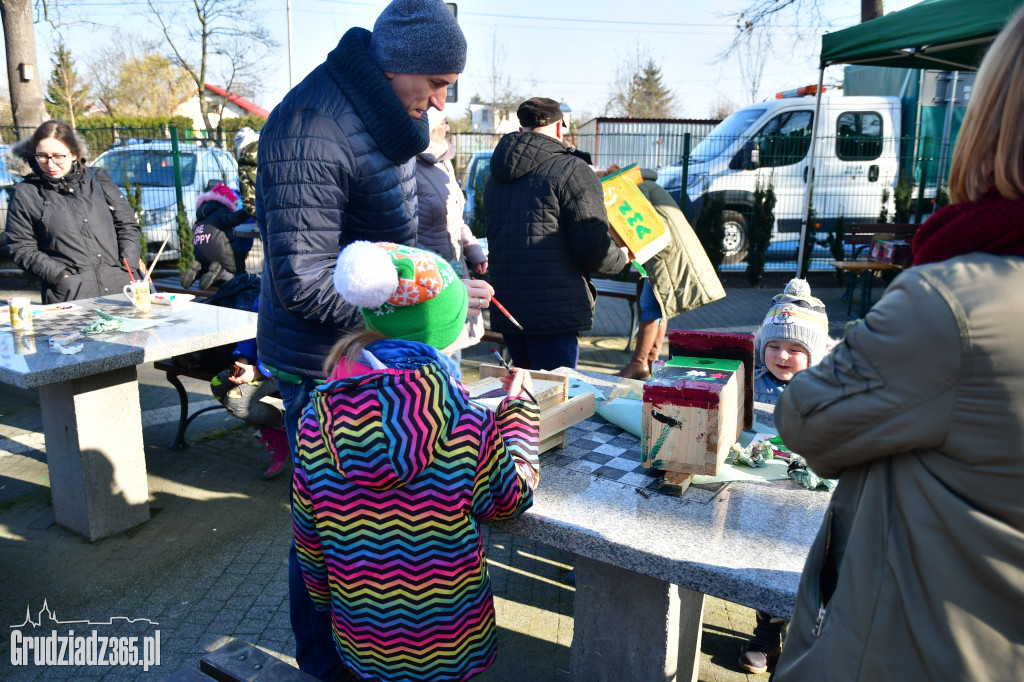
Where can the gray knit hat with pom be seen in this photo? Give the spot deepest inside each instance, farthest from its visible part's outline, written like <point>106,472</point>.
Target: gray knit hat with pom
<point>418,36</point>
<point>796,316</point>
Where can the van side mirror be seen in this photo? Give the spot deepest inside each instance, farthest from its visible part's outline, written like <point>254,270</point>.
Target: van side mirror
<point>747,158</point>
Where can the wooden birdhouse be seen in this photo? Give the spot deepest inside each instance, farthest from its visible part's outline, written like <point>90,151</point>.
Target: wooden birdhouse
<point>692,414</point>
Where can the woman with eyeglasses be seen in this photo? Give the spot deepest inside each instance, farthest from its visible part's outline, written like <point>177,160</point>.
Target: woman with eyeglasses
<point>68,225</point>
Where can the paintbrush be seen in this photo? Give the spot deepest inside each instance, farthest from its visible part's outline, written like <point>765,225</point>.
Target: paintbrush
<point>508,366</point>
<point>503,309</point>
<point>506,313</point>
<point>149,272</point>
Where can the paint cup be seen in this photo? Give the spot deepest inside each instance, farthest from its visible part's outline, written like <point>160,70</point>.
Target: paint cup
<point>21,313</point>
<point>24,343</point>
<point>138,294</point>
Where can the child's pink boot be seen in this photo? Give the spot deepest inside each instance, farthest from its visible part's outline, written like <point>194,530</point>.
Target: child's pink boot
<point>276,441</point>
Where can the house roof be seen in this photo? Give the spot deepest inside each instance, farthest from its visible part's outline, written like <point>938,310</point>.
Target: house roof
<point>239,101</point>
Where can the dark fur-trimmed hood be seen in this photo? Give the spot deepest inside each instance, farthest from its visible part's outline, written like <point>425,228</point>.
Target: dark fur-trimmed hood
<point>19,157</point>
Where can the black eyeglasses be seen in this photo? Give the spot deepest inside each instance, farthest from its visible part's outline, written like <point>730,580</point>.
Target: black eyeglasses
<point>56,158</point>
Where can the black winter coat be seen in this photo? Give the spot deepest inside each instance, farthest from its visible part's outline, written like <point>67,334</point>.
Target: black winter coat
<point>336,165</point>
<point>67,226</point>
<point>547,228</point>
<point>212,235</point>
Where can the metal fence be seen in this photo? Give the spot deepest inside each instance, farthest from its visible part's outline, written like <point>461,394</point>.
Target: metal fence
<point>857,178</point>
<point>162,171</point>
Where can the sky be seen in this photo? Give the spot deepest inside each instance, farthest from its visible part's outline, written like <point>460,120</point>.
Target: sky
<point>569,50</point>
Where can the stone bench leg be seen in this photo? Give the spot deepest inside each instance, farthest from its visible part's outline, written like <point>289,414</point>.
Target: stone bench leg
<point>631,626</point>
<point>94,451</point>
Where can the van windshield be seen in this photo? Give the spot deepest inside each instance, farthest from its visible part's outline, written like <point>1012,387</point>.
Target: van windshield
<point>724,134</point>
<point>149,167</point>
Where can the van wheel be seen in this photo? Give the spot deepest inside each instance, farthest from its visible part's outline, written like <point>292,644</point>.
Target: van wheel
<point>735,244</point>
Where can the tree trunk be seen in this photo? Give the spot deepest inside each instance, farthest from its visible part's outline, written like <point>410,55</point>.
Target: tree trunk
<point>870,9</point>
<point>20,39</point>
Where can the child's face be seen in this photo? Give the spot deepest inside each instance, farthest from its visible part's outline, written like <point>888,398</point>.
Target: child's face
<point>785,358</point>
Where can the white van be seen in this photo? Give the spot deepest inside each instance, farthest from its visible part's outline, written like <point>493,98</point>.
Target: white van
<point>856,164</point>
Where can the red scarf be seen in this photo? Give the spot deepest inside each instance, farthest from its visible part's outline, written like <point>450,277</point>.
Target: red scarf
<point>992,224</point>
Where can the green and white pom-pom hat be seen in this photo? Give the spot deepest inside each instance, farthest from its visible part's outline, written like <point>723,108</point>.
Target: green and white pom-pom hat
<point>403,292</point>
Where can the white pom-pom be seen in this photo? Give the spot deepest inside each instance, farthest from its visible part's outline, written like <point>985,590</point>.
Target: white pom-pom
<point>364,275</point>
<point>798,287</point>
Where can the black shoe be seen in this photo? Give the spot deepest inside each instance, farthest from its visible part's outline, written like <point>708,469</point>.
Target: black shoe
<point>763,650</point>
<point>211,275</point>
<point>190,273</point>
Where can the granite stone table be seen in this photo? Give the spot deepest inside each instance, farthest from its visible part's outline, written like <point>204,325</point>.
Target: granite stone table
<point>89,400</point>
<point>645,560</point>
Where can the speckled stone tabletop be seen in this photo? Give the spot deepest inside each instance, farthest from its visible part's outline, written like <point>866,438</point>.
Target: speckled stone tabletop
<point>27,361</point>
<point>739,541</point>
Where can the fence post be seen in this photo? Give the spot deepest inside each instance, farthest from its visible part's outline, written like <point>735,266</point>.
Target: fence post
<point>925,162</point>
<point>684,179</point>
<point>176,160</point>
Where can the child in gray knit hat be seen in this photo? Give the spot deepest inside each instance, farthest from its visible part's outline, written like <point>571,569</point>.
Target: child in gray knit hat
<point>793,337</point>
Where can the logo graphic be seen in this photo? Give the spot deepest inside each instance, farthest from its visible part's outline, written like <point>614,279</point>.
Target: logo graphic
<point>58,648</point>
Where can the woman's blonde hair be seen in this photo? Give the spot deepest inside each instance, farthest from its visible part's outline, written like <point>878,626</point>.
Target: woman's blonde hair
<point>350,346</point>
<point>990,151</point>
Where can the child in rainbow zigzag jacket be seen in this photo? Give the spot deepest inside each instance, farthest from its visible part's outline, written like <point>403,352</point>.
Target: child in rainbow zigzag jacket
<point>395,467</point>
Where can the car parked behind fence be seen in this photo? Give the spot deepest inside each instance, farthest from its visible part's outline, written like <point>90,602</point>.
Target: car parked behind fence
<point>473,178</point>
<point>150,165</point>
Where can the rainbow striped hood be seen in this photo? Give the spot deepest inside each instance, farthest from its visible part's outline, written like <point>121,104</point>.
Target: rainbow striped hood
<point>380,430</point>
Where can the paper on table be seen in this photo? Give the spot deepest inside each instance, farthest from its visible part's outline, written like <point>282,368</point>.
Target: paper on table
<point>624,412</point>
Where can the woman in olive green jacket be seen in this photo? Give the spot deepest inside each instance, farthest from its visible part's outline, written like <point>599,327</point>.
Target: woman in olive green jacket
<point>680,276</point>
<point>918,570</point>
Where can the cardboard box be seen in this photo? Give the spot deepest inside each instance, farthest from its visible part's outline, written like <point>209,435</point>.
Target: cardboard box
<point>888,250</point>
<point>632,216</point>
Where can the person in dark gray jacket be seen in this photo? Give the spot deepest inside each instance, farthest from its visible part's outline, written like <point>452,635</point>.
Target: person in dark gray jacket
<point>336,164</point>
<point>68,225</point>
<point>547,229</point>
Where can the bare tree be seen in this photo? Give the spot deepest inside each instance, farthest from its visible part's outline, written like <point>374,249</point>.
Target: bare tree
<point>751,57</point>
<point>504,96</point>
<point>720,108</point>
<point>131,78</point>
<point>27,108</point>
<point>806,14</point>
<point>216,38</point>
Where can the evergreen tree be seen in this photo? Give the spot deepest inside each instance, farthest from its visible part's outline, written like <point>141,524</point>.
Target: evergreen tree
<point>639,91</point>
<point>653,99</point>
<point>67,92</point>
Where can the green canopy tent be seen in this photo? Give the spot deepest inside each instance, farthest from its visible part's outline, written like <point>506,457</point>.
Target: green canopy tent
<point>935,34</point>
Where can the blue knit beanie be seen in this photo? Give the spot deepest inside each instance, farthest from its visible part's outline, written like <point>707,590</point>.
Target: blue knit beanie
<point>418,36</point>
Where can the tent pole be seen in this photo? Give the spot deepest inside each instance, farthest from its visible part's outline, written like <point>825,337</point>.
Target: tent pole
<point>809,191</point>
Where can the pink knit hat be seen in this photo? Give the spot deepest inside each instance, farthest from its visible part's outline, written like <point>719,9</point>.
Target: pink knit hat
<point>221,193</point>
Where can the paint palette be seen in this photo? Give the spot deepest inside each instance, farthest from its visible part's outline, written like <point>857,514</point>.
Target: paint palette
<point>175,301</point>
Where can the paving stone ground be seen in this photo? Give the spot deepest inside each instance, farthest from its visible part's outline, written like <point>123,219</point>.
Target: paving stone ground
<point>210,565</point>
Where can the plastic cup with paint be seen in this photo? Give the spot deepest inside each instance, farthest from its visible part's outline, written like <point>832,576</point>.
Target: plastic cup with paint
<point>21,313</point>
<point>138,294</point>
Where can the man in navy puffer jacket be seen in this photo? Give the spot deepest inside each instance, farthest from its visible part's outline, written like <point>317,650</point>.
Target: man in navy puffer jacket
<point>336,164</point>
